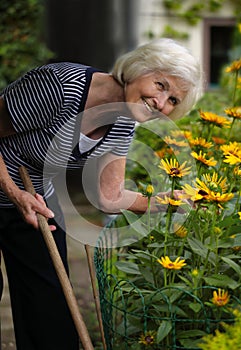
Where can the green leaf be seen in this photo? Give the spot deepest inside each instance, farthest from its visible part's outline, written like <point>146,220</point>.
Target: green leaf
<point>221,281</point>
<point>163,330</point>
<point>237,240</point>
<point>191,334</point>
<point>174,309</point>
<point>225,243</point>
<point>196,307</point>
<point>135,222</point>
<point>128,267</point>
<point>144,254</point>
<point>190,343</point>
<point>233,265</point>
<point>227,221</point>
<point>146,273</point>
<point>199,249</point>
<point>186,280</point>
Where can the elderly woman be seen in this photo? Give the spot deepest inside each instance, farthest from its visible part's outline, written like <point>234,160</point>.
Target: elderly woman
<point>45,126</point>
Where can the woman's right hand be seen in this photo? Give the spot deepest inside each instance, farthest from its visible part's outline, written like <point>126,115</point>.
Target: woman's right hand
<point>29,205</point>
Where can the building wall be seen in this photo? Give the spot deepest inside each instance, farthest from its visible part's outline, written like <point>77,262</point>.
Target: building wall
<point>96,32</point>
<point>153,17</point>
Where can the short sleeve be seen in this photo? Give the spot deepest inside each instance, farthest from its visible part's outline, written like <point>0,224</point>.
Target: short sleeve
<point>123,133</point>
<point>34,100</point>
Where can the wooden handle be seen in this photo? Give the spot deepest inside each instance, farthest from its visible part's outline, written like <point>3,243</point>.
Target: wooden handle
<point>59,267</point>
<point>95,294</point>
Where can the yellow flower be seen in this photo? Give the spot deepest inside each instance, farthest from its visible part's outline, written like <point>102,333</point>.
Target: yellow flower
<point>183,134</point>
<point>169,201</point>
<point>236,248</point>
<point>234,67</point>
<point>200,141</point>
<point>215,119</point>
<point>201,157</point>
<point>214,188</point>
<point>239,213</point>
<point>218,140</point>
<point>173,142</point>
<point>231,148</point>
<point>232,153</point>
<point>160,153</point>
<point>217,230</point>
<point>173,169</point>
<point>239,83</point>
<point>239,27</point>
<point>233,159</point>
<point>194,194</point>
<point>148,338</point>
<point>219,198</point>
<point>149,190</point>
<point>163,152</point>
<point>195,272</point>
<point>214,182</point>
<point>220,298</point>
<point>234,112</point>
<point>237,171</point>
<point>180,231</point>
<point>187,134</point>
<point>171,265</point>
<point>210,188</point>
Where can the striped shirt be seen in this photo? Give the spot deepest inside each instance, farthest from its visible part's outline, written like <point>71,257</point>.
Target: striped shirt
<point>46,106</point>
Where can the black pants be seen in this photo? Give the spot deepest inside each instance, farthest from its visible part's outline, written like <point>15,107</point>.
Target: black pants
<point>41,317</point>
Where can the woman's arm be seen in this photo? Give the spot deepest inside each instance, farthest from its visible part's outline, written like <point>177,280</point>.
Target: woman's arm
<point>6,127</point>
<point>112,194</point>
<point>27,204</point>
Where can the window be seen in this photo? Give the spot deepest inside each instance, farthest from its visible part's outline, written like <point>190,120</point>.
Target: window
<point>218,35</point>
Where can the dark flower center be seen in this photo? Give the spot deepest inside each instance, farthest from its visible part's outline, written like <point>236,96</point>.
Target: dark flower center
<point>202,192</point>
<point>175,171</point>
<point>149,339</point>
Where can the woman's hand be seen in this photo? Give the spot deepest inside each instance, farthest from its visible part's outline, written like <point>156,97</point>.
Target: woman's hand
<point>177,194</point>
<point>29,205</point>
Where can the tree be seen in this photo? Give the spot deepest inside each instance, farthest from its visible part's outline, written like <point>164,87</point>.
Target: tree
<point>21,36</point>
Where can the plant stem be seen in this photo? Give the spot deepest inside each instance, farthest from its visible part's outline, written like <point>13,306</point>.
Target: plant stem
<point>168,223</point>
<point>236,208</point>
<point>230,130</point>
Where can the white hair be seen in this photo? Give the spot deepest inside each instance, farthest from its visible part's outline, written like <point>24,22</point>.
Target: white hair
<point>164,56</point>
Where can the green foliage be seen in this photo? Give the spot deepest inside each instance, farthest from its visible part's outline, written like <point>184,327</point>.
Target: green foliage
<point>170,32</point>
<point>21,37</point>
<point>180,270</point>
<point>194,12</point>
<point>191,12</point>
<point>230,339</point>
<point>172,5</point>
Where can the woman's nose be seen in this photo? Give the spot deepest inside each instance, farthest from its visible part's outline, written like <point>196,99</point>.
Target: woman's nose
<point>161,100</point>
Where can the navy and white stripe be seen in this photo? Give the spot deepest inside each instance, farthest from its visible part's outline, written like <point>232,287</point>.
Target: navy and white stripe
<point>45,107</point>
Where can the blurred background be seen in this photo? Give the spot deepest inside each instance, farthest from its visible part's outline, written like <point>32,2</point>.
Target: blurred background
<point>95,32</point>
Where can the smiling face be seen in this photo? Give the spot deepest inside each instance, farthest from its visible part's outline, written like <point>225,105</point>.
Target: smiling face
<point>154,93</point>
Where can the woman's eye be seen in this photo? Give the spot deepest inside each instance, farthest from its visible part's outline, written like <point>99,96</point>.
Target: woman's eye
<point>173,100</point>
<point>160,85</point>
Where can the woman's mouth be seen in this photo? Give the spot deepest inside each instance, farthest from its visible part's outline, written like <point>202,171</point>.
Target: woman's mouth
<point>148,107</point>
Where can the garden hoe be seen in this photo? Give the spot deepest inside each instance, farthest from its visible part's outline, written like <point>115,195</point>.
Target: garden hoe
<point>59,267</point>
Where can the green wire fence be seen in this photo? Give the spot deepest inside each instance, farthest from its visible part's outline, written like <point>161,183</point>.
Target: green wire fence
<point>129,314</point>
